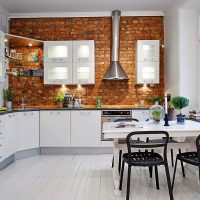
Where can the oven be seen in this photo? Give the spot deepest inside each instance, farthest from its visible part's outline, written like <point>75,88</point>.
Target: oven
<point>112,115</point>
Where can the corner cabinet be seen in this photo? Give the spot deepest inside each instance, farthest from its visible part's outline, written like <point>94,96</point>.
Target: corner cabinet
<point>69,62</point>
<point>148,61</point>
<point>55,128</point>
<point>86,128</point>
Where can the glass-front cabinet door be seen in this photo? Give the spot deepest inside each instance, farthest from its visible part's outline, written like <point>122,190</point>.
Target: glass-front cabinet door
<point>83,73</point>
<point>83,51</point>
<point>148,50</point>
<point>57,73</point>
<point>148,73</point>
<point>2,43</point>
<point>58,51</point>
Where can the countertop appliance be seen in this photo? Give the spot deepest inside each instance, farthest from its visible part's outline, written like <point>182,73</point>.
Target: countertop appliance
<point>112,115</point>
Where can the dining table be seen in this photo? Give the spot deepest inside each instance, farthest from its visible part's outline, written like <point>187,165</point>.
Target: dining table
<point>115,131</point>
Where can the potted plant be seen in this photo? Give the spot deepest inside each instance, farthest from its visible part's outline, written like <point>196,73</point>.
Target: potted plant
<point>155,99</point>
<point>180,103</point>
<point>156,114</point>
<point>60,99</point>
<point>8,97</point>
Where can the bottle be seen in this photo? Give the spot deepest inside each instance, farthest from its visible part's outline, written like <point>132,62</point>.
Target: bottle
<point>98,102</point>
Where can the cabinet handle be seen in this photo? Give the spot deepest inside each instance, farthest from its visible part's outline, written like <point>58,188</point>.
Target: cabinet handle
<point>9,115</point>
<point>0,121</point>
<point>0,156</point>
<point>1,133</point>
<point>55,113</point>
<point>1,145</point>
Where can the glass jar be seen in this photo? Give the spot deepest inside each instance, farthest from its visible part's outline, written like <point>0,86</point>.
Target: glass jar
<point>156,112</point>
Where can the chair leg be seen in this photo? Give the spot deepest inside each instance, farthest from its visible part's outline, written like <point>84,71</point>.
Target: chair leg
<point>172,157</point>
<point>113,162</point>
<point>182,167</point>
<point>121,175</point>
<point>120,160</point>
<point>199,174</point>
<point>174,173</point>
<point>156,175</point>
<point>169,182</point>
<point>128,182</point>
<point>150,171</point>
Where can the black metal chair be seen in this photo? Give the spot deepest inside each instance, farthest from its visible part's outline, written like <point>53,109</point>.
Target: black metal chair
<point>123,141</point>
<point>145,159</point>
<point>192,158</point>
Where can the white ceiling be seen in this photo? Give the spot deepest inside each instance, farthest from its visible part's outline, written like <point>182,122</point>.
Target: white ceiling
<point>36,6</point>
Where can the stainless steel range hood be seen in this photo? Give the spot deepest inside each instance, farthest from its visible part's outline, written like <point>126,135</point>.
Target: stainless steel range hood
<point>115,70</point>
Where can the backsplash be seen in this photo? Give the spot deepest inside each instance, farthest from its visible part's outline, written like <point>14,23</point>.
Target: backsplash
<point>98,29</point>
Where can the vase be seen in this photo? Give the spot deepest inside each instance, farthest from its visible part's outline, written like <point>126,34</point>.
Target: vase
<point>180,118</point>
<point>9,105</point>
<point>60,104</point>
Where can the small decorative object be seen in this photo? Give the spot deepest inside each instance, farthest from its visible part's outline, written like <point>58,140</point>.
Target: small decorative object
<point>8,98</point>
<point>98,102</point>
<point>60,99</point>
<point>180,103</point>
<point>166,112</point>
<point>156,112</point>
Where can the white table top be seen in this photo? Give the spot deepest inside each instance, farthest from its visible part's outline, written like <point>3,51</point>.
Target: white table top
<point>189,129</point>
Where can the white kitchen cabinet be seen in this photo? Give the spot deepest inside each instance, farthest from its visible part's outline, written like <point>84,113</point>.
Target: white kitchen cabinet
<point>2,146</point>
<point>148,72</point>
<point>54,128</point>
<point>57,73</point>
<point>58,51</point>
<point>2,44</point>
<point>83,51</point>
<point>141,115</point>
<point>27,130</point>
<point>83,73</point>
<point>10,134</point>
<point>86,128</point>
<point>148,51</point>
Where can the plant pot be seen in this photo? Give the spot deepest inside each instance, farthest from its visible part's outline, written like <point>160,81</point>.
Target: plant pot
<point>60,104</point>
<point>156,119</point>
<point>9,105</point>
<point>180,118</point>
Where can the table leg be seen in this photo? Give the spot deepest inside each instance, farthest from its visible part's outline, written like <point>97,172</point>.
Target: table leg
<point>116,176</point>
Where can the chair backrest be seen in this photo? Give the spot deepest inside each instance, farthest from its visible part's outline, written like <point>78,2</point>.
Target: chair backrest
<point>198,147</point>
<point>144,145</point>
<point>126,120</point>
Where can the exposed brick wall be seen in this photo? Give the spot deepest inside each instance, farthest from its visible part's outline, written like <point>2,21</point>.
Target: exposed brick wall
<point>98,29</point>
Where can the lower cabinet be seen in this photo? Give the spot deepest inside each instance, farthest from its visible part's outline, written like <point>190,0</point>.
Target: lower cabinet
<point>55,128</point>
<point>86,128</point>
<point>10,134</point>
<point>27,130</point>
<point>2,146</point>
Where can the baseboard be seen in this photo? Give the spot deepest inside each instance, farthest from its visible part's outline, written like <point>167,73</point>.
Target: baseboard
<point>75,150</point>
<point>7,162</point>
<point>27,153</point>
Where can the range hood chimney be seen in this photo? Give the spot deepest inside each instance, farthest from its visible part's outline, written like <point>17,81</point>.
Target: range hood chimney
<point>115,70</point>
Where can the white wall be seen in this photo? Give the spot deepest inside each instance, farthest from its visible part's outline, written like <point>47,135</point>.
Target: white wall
<point>181,53</point>
<point>189,73</point>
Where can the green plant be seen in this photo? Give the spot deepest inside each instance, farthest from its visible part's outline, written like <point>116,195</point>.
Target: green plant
<point>156,113</point>
<point>8,95</point>
<point>158,99</point>
<point>179,102</point>
<point>60,97</point>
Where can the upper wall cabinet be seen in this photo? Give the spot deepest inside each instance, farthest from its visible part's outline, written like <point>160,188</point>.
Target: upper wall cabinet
<point>83,51</point>
<point>58,51</point>
<point>57,73</point>
<point>148,62</point>
<point>148,50</point>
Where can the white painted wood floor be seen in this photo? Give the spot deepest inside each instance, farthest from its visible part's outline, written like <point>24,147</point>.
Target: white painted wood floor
<point>87,177</point>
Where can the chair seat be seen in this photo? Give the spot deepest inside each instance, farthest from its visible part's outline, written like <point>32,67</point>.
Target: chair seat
<point>162,141</point>
<point>123,141</point>
<point>144,159</point>
<point>189,157</point>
